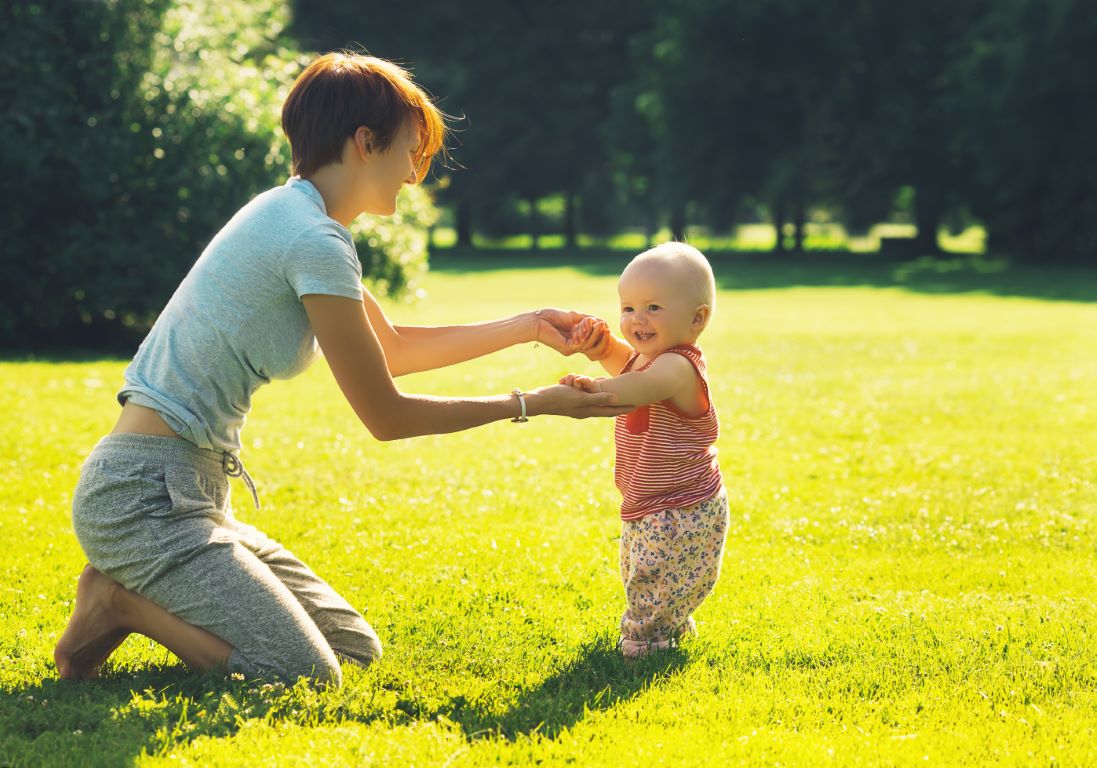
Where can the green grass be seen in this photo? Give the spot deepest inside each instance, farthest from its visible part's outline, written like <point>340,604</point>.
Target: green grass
<point>909,578</point>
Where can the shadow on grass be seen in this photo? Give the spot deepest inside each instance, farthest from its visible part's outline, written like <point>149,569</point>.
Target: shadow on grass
<point>114,720</point>
<point>742,271</point>
<point>66,355</point>
<point>83,723</point>
<point>597,679</point>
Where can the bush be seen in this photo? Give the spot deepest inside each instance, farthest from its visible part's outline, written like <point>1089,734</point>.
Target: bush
<point>131,131</point>
<point>394,249</point>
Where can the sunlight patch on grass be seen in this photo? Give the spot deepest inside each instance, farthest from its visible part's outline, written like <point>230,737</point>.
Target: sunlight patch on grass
<point>909,575</point>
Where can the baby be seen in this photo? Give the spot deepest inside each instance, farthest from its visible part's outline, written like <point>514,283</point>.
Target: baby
<point>675,509</point>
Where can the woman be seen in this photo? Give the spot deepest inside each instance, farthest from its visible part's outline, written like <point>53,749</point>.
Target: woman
<point>167,559</point>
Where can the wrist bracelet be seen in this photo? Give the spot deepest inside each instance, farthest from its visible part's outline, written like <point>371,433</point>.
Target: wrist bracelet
<point>522,400</point>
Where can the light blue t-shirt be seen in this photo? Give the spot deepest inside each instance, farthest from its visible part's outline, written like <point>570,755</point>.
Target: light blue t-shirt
<point>237,321</point>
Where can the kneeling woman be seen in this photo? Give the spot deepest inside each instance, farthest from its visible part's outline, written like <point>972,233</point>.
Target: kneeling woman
<point>167,558</point>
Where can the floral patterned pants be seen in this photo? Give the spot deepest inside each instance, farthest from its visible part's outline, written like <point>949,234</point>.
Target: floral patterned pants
<point>670,561</point>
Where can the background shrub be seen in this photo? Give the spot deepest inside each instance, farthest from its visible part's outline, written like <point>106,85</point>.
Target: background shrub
<point>130,131</point>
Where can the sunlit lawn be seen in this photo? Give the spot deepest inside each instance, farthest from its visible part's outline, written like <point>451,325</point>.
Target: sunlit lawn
<point>909,578</point>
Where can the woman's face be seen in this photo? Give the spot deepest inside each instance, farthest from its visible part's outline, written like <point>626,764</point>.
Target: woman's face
<point>387,172</point>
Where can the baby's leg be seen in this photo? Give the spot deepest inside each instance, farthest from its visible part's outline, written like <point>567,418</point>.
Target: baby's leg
<point>670,562</point>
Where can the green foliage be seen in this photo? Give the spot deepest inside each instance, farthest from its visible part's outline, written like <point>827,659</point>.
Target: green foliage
<point>909,573</point>
<point>131,132</point>
<point>692,111</point>
<point>1029,119</point>
<point>123,172</point>
<point>530,82</point>
<point>394,249</point>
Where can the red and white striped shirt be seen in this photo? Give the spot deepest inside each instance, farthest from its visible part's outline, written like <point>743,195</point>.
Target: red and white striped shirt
<point>666,459</point>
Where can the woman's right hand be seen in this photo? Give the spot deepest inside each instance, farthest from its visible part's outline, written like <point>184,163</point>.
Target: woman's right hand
<point>562,400</point>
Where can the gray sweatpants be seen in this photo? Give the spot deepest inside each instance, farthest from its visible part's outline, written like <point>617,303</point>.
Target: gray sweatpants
<point>153,514</point>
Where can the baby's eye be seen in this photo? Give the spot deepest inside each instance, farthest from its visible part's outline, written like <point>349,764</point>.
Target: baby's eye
<point>653,307</point>
<point>626,309</point>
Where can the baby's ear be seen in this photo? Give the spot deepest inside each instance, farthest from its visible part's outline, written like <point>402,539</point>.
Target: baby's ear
<point>701,317</point>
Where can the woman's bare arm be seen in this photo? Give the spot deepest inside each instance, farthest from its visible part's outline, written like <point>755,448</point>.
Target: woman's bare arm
<point>357,360</point>
<point>410,348</point>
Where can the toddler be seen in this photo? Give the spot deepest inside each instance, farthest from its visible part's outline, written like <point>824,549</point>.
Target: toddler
<point>674,508</point>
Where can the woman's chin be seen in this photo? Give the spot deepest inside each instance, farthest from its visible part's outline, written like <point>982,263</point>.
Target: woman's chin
<point>383,209</point>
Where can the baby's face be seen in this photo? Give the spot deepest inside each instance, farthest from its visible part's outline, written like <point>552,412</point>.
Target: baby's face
<point>658,307</point>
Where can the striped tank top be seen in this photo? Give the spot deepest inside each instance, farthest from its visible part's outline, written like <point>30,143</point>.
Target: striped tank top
<point>666,459</point>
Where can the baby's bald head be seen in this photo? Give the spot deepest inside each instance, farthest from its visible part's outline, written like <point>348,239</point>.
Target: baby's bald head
<point>683,264</point>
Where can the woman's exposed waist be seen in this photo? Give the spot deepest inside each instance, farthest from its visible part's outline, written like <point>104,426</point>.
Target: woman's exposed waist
<point>138,420</point>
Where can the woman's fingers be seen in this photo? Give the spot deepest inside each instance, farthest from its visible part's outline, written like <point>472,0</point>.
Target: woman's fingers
<point>599,404</point>
<point>569,332</point>
<point>580,382</point>
<point>550,335</point>
<point>570,401</point>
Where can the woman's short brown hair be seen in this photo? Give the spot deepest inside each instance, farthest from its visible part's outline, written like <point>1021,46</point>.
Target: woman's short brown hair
<point>339,92</point>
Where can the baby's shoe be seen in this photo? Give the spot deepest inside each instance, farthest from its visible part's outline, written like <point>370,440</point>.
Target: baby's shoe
<point>636,649</point>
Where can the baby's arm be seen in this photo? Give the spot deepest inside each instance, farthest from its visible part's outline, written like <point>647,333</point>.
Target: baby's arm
<point>668,376</point>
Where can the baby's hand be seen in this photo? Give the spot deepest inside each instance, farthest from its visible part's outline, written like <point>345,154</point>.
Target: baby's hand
<point>584,331</point>
<point>566,332</point>
<point>585,383</point>
<point>597,343</point>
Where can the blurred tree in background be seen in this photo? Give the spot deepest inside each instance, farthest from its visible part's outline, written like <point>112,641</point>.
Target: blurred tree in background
<point>130,130</point>
<point>694,111</point>
<point>1027,116</point>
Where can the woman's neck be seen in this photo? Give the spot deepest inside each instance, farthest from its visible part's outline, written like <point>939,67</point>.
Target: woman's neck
<point>337,189</point>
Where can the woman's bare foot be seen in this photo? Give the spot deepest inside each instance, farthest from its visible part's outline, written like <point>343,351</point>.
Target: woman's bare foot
<point>95,628</point>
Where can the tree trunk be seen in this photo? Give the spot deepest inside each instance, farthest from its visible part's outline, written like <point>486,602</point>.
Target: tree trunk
<point>678,222</point>
<point>928,212</point>
<point>464,223</point>
<point>779,224</point>
<point>799,217</point>
<point>571,236</point>
<point>534,223</point>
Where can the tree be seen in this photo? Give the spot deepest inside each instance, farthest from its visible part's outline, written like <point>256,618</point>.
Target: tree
<point>531,82</point>
<point>1029,118</point>
<point>130,131</point>
<point>741,100</point>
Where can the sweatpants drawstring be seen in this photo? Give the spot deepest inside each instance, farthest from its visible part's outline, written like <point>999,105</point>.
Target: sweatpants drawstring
<point>233,467</point>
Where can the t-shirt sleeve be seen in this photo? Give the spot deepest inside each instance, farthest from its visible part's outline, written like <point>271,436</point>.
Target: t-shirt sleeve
<point>321,261</point>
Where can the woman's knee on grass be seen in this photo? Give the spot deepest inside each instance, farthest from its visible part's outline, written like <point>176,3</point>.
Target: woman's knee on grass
<point>361,646</point>
<point>320,667</point>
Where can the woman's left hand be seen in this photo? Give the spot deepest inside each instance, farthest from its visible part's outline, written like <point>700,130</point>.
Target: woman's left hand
<point>571,332</point>
<point>565,331</point>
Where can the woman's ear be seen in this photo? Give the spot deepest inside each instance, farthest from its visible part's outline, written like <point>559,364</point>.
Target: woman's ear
<point>701,316</point>
<point>363,141</point>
